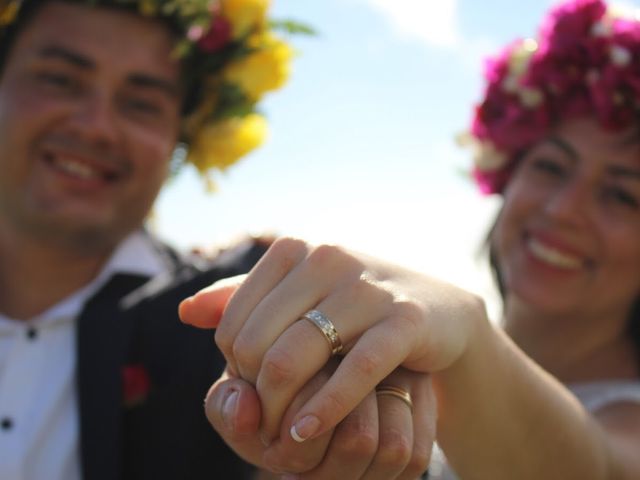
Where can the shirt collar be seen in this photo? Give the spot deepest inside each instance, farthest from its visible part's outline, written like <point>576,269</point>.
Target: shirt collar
<point>137,255</point>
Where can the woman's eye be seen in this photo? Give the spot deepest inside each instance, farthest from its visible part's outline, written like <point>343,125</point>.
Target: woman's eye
<point>548,166</point>
<point>621,197</point>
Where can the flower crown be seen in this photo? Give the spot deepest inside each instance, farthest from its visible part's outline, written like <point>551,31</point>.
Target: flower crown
<point>230,51</point>
<point>586,61</point>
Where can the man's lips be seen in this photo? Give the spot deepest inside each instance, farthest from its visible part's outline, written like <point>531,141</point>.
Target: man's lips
<point>81,168</point>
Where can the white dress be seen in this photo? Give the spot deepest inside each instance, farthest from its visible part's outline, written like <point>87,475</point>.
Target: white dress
<point>593,396</point>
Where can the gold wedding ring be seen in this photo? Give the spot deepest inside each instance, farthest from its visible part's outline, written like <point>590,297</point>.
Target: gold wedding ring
<point>395,392</point>
<point>323,324</point>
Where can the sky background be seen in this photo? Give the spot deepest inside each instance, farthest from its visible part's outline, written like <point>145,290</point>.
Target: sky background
<point>362,146</point>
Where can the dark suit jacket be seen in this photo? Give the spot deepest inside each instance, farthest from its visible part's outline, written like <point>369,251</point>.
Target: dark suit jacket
<point>132,323</point>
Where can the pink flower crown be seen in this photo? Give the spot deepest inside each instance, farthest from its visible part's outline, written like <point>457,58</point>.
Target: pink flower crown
<point>586,61</point>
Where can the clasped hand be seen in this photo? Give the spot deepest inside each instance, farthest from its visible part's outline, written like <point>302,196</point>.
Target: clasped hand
<point>287,405</point>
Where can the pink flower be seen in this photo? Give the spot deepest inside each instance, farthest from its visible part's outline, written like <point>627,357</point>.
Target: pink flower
<point>217,37</point>
<point>135,384</point>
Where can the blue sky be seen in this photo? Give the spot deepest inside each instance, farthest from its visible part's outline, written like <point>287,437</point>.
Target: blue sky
<point>361,149</point>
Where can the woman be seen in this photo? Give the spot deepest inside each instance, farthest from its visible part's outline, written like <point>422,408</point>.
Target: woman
<point>555,394</point>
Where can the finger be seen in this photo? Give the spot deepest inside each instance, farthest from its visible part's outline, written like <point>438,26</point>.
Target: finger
<point>354,444</point>
<point>233,409</point>
<point>286,455</point>
<point>205,308</point>
<point>304,286</point>
<point>395,445</point>
<point>302,349</point>
<point>424,428</point>
<point>378,352</point>
<point>283,256</point>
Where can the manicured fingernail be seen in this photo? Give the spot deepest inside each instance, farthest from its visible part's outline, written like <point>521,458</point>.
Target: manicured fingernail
<point>229,409</point>
<point>289,476</point>
<point>305,428</point>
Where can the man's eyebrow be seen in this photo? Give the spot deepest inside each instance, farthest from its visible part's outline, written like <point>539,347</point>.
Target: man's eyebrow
<point>136,79</point>
<point>67,55</point>
<point>154,82</point>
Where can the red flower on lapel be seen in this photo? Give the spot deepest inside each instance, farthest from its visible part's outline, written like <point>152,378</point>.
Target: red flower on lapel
<point>135,385</point>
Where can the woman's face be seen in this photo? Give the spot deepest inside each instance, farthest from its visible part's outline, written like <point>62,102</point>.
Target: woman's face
<point>568,237</point>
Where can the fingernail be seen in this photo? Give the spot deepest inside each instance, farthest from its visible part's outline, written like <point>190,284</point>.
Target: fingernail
<point>305,428</point>
<point>289,476</point>
<point>229,409</point>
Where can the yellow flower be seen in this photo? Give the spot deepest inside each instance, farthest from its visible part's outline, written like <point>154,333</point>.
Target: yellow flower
<point>221,144</point>
<point>266,69</point>
<point>148,8</point>
<point>244,15</point>
<point>8,12</point>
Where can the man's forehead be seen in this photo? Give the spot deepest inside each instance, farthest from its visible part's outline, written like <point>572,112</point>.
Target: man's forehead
<point>101,35</point>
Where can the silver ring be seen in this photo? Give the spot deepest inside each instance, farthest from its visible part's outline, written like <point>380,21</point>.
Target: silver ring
<point>325,325</point>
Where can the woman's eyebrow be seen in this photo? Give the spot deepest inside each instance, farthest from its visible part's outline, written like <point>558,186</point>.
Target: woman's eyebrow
<point>563,145</point>
<point>626,172</point>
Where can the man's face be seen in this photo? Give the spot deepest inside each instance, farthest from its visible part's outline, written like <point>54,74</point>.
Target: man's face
<point>89,117</point>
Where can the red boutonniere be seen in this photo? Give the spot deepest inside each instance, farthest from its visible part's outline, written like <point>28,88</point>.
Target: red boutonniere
<point>135,385</point>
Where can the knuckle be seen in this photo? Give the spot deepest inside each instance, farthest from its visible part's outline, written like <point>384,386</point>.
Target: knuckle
<point>357,440</point>
<point>326,255</point>
<point>419,461</point>
<point>224,342</point>
<point>287,252</point>
<point>246,355</point>
<point>365,363</point>
<point>277,368</point>
<point>394,448</point>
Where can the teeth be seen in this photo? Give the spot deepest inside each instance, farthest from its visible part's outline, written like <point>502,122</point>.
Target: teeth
<point>553,256</point>
<point>77,169</point>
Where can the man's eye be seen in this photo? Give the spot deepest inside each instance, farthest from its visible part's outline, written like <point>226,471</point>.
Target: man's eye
<point>59,80</point>
<point>143,106</point>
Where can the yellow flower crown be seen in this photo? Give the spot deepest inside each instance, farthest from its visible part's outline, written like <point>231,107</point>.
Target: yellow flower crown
<point>230,53</point>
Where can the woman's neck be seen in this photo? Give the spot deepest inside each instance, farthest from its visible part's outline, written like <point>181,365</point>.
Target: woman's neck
<point>574,348</point>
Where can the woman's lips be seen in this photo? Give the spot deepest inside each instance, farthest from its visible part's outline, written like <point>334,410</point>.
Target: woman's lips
<point>553,255</point>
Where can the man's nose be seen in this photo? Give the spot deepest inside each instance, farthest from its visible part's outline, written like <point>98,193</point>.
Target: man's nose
<point>95,120</point>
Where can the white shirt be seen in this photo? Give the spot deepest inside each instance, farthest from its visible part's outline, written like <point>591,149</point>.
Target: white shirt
<point>39,425</point>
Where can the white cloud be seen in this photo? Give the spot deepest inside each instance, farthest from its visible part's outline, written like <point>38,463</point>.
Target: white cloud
<point>433,22</point>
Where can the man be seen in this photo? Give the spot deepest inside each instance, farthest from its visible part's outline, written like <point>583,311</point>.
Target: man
<point>93,100</point>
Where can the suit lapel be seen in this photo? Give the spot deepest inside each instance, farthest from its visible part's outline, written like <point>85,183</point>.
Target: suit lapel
<point>103,333</point>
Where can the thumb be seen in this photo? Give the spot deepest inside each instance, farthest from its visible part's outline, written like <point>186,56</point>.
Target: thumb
<point>205,308</point>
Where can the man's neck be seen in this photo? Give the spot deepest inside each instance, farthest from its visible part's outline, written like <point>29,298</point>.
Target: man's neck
<point>34,276</point>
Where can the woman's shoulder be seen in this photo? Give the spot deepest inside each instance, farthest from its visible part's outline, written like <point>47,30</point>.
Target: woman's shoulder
<point>598,394</point>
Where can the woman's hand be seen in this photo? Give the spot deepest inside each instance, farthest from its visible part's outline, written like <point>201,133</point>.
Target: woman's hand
<point>385,316</point>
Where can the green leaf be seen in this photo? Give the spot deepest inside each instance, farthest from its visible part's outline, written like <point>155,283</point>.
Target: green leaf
<point>292,27</point>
